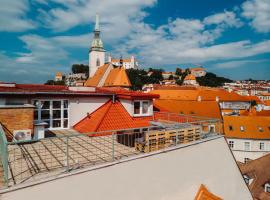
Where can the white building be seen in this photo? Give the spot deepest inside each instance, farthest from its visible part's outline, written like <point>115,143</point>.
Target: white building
<point>198,71</point>
<point>248,136</point>
<point>127,63</point>
<point>190,79</point>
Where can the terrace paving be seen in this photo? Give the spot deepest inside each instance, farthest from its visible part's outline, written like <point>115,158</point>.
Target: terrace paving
<point>50,156</point>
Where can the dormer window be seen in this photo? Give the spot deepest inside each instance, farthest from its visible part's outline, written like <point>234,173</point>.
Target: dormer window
<point>260,129</point>
<point>242,129</point>
<point>141,108</point>
<point>247,179</point>
<point>267,187</point>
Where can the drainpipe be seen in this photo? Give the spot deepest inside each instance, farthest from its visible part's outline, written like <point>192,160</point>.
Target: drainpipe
<point>113,98</point>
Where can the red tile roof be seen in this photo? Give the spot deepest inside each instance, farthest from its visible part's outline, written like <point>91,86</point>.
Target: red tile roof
<point>110,116</point>
<point>127,94</point>
<point>199,108</point>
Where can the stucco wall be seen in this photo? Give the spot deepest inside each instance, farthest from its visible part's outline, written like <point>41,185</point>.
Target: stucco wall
<point>79,107</point>
<point>239,149</point>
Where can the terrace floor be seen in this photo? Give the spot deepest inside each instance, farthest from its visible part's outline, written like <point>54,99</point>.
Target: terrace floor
<point>54,155</point>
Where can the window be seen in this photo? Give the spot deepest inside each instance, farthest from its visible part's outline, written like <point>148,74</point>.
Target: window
<point>231,144</point>
<point>145,106</point>
<point>242,129</point>
<point>246,178</point>
<point>247,146</point>
<point>141,107</point>
<point>211,128</point>
<point>137,107</point>
<point>98,62</point>
<point>53,112</point>
<point>261,145</point>
<point>230,127</point>
<point>267,187</point>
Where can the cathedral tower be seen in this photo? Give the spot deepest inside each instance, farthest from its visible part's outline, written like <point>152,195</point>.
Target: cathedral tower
<point>97,52</point>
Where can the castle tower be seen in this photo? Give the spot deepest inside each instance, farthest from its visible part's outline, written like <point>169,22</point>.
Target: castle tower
<point>97,52</point>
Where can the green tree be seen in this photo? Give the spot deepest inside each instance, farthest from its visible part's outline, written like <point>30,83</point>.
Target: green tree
<point>80,68</point>
<point>52,82</point>
<point>212,80</point>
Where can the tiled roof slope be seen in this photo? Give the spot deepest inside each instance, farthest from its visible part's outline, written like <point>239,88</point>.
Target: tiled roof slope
<point>198,108</point>
<point>204,194</point>
<point>190,77</point>
<point>94,81</point>
<point>111,76</point>
<point>117,77</point>
<point>206,94</point>
<point>254,127</point>
<point>258,170</point>
<point>110,116</point>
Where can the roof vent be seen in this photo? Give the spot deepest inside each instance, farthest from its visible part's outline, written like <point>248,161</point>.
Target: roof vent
<point>199,98</point>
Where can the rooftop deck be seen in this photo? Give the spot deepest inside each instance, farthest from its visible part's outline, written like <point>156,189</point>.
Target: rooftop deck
<point>66,150</point>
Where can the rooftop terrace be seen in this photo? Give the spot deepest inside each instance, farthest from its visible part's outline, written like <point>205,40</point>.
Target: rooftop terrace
<point>67,150</point>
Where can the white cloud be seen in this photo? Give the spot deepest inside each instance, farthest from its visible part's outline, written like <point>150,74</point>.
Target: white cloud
<point>117,15</point>
<point>258,11</point>
<point>226,18</point>
<point>13,16</point>
<point>238,63</point>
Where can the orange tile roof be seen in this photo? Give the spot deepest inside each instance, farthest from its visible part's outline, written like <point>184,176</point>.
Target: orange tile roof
<point>58,74</point>
<point>197,69</point>
<point>267,102</point>
<point>110,116</point>
<point>124,60</point>
<point>117,77</point>
<point>190,77</point>
<point>253,112</point>
<point>204,194</point>
<point>94,81</point>
<point>192,94</point>
<point>251,124</point>
<point>171,94</point>
<point>264,94</point>
<point>198,108</point>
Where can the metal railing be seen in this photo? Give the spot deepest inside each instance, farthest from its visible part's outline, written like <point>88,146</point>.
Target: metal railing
<point>52,156</point>
<point>4,154</point>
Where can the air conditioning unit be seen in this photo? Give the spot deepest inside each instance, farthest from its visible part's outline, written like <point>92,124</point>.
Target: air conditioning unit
<point>22,135</point>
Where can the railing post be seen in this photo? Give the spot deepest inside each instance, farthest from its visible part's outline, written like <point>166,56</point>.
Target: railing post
<point>176,138</point>
<point>113,146</point>
<point>4,154</point>
<point>67,153</point>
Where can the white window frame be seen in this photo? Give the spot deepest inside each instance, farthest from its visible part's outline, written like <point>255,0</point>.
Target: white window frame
<point>242,128</point>
<point>248,146</point>
<point>51,113</point>
<point>141,108</point>
<point>267,187</point>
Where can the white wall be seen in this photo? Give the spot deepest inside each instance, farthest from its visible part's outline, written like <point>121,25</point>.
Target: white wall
<point>128,104</point>
<point>93,56</point>
<point>239,149</point>
<point>79,107</point>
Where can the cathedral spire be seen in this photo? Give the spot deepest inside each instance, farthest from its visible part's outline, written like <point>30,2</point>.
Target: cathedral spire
<point>97,23</point>
<point>97,43</point>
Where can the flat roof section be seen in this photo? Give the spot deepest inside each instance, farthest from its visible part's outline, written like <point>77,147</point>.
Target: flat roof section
<point>176,173</point>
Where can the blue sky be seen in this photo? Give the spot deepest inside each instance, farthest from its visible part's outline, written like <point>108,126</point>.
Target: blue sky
<point>228,37</point>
